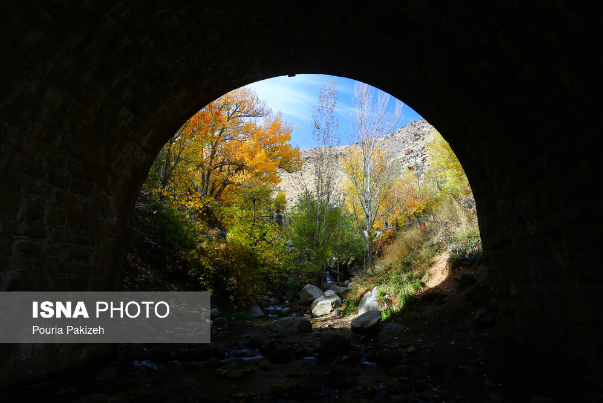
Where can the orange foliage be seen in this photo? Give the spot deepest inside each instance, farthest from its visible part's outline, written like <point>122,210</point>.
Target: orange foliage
<point>234,142</point>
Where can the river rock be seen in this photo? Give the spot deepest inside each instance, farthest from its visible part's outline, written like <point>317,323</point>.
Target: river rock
<point>254,310</point>
<point>281,386</point>
<point>280,353</point>
<point>332,344</point>
<point>495,397</point>
<point>369,301</point>
<point>390,331</point>
<point>354,270</point>
<point>339,377</point>
<point>221,321</point>
<point>292,325</point>
<point>254,343</point>
<point>309,293</point>
<point>214,313</point>
<point>324,306</point>
<point>429,394</point>
<point>390,358</point>
<point>285,311</point>
<point>236,374</point>
<point>332,287</point>
<point>368,322</point>
<point>308,391</point>
<point>188,316</point>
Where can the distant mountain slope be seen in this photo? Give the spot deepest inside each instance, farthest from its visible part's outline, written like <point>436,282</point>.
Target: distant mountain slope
<point>401,145</point>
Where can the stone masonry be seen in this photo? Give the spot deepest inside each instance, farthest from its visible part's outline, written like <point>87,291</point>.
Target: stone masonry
<point>92,90</point>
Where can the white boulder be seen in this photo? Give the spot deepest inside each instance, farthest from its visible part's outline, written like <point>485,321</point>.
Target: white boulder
<point>324,306</point>
<point>369,301</point>
<point>309,293</point>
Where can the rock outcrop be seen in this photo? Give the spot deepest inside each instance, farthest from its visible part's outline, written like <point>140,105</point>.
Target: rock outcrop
<point>368,322</point>
<point>402,146</point>
<point>369,301</point>
<point>291,325</point>
<point>254,310</point>
<point>325,305</point>
<point>309,293</point>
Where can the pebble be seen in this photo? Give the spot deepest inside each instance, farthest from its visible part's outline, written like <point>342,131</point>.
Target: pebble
<point>495,397</point>
<point>236,374</point>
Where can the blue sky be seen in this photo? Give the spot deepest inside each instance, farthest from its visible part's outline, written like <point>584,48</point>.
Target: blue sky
<point>296,97</point>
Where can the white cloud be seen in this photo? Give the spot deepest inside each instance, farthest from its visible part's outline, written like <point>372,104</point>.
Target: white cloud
<point>293,96</point>
<point>296,97</point>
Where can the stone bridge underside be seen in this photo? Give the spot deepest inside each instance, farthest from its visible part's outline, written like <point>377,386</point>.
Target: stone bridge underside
<point>91,91</point>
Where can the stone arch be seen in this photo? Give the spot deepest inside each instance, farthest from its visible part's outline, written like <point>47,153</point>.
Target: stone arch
<point>92,91</point>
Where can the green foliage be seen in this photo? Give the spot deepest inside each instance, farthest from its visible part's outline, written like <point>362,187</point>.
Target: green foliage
<point>167,246</point>
<point>159,237</point>
<point>292,287</point>
<point>407,260</point>
<point>318,236</point>
<point>445,176</point>
<point>235,316</point>
<point>398,286</point>
<point>466,251</point>
<point>249,260</point>
<point>251,225</point>
<point>408,253</point>
<point>229,271</point>
<point>280,202</point>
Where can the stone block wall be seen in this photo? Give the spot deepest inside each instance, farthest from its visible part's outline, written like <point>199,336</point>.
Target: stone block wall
<point>91,91</point>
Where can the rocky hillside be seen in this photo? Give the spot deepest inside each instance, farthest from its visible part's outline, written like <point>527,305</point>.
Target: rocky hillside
<point>401,146</point>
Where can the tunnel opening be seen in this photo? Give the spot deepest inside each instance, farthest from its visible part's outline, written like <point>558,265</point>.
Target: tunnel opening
<point>201,172</point>
<point>242,351</point>
<point>85,107</point>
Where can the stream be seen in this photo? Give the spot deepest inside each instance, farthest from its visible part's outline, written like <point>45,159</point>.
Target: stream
<point>244,362</point>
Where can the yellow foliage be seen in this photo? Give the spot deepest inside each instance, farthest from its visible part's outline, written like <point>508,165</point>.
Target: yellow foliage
<point>445,175</point>
<point>234,142</point>
<point>389,195</point>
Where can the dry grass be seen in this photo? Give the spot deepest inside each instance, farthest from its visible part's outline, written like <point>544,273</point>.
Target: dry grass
<point>405,264</point>
<point>406,241</point>
<point>455,221</point>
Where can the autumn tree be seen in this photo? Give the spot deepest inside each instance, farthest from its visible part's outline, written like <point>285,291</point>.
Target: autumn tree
<point>371,177</point>
<point>280,202</point>
<point>233,143</point>
<point>219,170</point>
<point>324,134</point>
<point>252,224</point>
<point>343,240</point>
<point>316,219</point>
<point>445,172</point>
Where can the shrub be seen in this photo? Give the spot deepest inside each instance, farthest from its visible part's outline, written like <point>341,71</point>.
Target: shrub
<point>160,235</point>
<point>292,287</point>
<point>235,316</point>
<point>229,271</point>
<point>320,235</point>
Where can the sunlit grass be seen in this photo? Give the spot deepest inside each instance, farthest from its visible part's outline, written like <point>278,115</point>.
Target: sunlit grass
<point>405,263</point>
